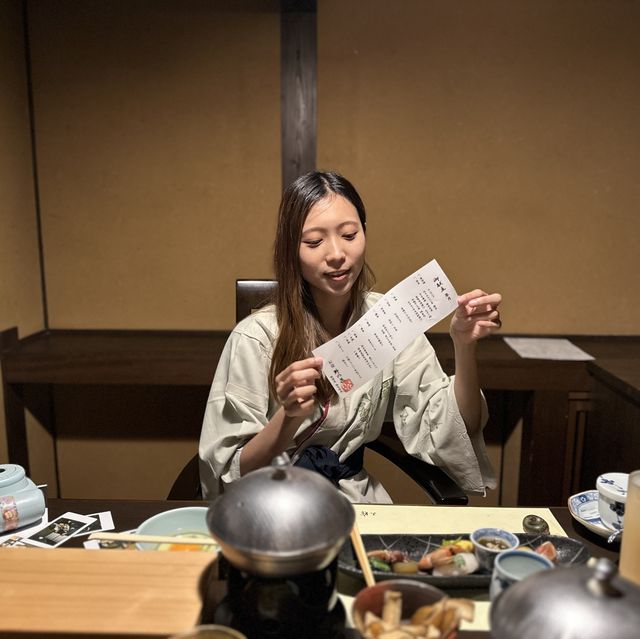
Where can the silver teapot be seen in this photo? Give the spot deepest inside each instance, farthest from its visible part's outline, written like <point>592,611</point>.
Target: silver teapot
<point>578,602</point>
<point>280,521</point>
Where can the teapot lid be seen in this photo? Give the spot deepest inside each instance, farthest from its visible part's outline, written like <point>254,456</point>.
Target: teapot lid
<point>11,476</point>
<point>578,602</point>
<point>281,520</point>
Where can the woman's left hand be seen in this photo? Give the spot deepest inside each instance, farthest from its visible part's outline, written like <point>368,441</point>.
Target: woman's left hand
<point>476,317</point>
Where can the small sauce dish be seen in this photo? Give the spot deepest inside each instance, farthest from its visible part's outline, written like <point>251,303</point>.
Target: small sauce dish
<point>490,542</point>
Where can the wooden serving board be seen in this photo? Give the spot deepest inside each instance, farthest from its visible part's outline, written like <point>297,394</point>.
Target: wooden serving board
<point>99,592</point>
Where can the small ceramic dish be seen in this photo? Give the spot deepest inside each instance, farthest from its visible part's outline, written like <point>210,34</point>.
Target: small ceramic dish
<point>210,631</point>
<point>486,554</point>
<point>584,509</point>
<point>512,566</point>
<point>612,497</point>
<point>179,522</point>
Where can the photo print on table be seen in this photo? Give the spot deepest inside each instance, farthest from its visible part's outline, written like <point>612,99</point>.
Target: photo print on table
<point>58,531</point>
<point>11,542</point>
<point>103,522</point>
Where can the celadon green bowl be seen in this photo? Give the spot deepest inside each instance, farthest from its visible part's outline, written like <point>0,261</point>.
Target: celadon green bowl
<point>184,522</point>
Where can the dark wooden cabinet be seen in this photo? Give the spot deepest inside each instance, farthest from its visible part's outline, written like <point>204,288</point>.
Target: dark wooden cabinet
<point>565,439</point>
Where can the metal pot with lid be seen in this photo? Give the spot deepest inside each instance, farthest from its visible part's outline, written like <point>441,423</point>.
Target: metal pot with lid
<point>281,520</point>
<point>578,602</point>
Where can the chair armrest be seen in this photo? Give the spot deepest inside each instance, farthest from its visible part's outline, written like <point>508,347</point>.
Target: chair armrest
<point>440,488</point>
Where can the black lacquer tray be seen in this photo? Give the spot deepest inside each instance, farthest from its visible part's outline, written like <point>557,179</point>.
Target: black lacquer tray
<point>570,551</point>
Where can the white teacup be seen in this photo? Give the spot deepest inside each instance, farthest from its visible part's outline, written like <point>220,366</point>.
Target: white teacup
<point>612,497</point>
<point>512,566</point>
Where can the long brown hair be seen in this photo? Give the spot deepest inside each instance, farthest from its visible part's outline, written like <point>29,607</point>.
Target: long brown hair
<point>299,327</point>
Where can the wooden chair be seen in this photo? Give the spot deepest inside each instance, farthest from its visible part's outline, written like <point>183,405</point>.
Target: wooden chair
<point>439,487</point>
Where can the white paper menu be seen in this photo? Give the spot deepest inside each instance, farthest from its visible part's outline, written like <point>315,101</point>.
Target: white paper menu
<point>407,310</point>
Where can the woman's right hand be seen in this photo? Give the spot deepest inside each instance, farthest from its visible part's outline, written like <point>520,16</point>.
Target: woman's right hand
<point>296,387</point>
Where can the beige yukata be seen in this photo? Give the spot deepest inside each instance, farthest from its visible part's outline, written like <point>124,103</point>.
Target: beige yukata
<point>425,413</point>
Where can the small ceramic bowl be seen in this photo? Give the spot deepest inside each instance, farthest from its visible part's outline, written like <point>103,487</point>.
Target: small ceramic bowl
<point>371,599</point>
<point>485,554</point>
<point>612,497</point>
<point>211,631</point>
<point>185,522</point>
<point>511,566</point>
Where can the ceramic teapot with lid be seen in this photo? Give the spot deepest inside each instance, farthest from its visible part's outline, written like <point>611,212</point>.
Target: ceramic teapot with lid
<point>578,602</point>
<point>21,501</point>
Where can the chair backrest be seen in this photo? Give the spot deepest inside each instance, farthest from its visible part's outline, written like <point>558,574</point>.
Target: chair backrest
<point>251,295</point>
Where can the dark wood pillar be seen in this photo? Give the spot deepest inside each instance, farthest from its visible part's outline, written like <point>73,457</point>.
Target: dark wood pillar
<point>544,442</point>
<point>14,418</point>
<point>298,73</point>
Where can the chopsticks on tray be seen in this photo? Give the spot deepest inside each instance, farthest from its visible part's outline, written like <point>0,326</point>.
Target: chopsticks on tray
<point>151,539</point>
<point>361,554</point>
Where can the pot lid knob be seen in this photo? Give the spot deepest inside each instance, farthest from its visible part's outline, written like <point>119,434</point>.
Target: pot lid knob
<point>280,463</point>
<point>600,583</point>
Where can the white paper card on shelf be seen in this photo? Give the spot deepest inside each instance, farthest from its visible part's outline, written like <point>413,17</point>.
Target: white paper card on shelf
<point>547,348</point>
<point>382,333</point>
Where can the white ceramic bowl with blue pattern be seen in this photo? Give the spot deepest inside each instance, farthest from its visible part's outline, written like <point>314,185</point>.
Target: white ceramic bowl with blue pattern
<point>612,497</point>
<point>498,539</point>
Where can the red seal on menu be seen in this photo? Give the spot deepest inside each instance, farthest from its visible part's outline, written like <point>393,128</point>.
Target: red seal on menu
<point>346,385</point>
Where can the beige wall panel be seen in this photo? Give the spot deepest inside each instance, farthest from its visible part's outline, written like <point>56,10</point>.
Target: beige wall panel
<point>108,469</point>
<point>159,135</point>
<point>501,138</point>
<point>127,442</point>
<point>20,297</point>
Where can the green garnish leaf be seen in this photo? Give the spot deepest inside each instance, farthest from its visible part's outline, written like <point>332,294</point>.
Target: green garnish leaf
<point>378,564</point>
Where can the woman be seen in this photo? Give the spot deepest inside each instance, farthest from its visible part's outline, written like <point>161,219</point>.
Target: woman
<point>268,393</point>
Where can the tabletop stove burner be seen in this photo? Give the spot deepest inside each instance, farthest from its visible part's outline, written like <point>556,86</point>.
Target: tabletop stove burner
<point>304,605</point>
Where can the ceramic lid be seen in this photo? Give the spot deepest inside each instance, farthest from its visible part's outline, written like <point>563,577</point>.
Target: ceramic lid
<point>12,477</point>
<point>613,486</point>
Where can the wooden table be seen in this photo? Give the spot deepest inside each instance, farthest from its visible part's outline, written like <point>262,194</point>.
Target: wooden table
<point>551,397</point>
<point>129,514</point>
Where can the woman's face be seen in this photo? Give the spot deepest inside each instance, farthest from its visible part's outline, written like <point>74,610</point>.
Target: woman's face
<point>332,248</point>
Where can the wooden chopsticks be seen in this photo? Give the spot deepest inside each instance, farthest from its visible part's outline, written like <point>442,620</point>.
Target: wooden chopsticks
<point>151,539</point>
<point>361,554</point>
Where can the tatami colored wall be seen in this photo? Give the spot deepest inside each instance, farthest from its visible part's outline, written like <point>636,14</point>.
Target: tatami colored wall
<point>159,154</point>
<point>20,296</point>
<point>499,137</point>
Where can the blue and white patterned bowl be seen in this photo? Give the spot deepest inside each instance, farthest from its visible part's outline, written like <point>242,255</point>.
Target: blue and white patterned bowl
<point>612,497</point>
<point>486,556</point>
<point>584,509</point>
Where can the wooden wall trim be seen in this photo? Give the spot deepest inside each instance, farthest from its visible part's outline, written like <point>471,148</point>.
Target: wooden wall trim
<point>17,449</point>
<point>298,76</point>
<point>34,159</point>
